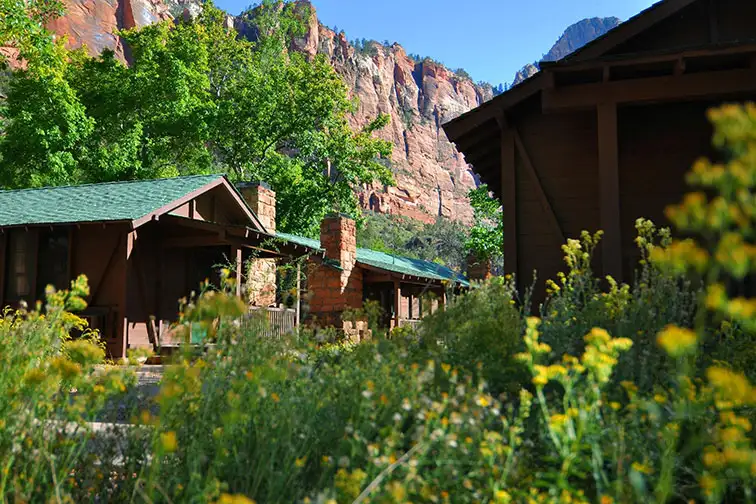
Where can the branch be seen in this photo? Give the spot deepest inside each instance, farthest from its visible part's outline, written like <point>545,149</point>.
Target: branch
<point>377,481</point>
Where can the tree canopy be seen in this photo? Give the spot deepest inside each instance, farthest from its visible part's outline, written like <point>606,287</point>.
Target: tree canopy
<point>194,98</point>
<point>486,238</point>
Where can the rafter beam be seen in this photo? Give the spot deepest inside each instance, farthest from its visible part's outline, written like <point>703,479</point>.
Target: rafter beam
<point>654,89</point>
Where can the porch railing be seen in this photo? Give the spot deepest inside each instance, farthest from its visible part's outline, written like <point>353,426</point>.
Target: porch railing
<point>413,323</point>
<point>272,322</point>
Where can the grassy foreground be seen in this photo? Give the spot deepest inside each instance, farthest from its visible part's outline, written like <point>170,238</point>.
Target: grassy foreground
<point>637,393</point>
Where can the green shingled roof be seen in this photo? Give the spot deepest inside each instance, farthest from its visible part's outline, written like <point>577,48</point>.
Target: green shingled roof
<point>113,201</point>
<point>390,262</point>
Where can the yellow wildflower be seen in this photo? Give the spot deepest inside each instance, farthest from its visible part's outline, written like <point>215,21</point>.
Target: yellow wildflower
<point>677,342</point>
<point>642,468</point>
<point>234,499</point>
<point>733,389</point>
<point>275,397</point>
<point>483,401</point>
<point>502,497</point>
<point>708,484</point>
<point>168,441</point>
<point>300,462</point>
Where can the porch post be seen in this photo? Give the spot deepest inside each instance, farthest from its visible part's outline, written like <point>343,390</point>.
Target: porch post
<point>442,299</point>
<point>131,238</point>
<point>3,253</point>
<point>608,153</point>
<point>397,302</point>
<point>236,252</point>
<point>298,306</point>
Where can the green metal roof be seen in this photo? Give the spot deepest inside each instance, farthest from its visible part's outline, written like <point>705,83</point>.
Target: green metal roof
<point>112,201</point>
<point>390,262</point>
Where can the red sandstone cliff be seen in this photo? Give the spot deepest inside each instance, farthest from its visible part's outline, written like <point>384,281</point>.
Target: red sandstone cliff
<point>432,178</point>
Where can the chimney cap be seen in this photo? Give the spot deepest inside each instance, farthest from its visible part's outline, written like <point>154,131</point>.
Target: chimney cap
<point>253,183</point>
<point>338,215</point>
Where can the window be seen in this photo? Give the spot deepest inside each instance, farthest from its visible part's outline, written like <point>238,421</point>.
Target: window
<point>52,260</point>
<point>21,264</point>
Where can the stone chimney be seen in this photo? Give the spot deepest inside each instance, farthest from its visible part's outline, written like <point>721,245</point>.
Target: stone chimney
<point>335,289</point>
<point>338,236</point>
<point>260,284</point>
<point>262,200</point>
<point>478,269</point>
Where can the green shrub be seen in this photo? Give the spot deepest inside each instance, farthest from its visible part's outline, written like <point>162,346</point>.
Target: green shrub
<point>576,303</point>
<point>50,388</point>
<point>480,333</point>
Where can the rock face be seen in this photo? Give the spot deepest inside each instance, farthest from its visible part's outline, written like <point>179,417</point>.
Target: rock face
<point>93,22</point>
<point>573,38</point>
<point>579,34</point>
<point>432,178</point>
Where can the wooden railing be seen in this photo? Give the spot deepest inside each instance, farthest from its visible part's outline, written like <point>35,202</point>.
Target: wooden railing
<point>413,323</point>
<point>276,323</point>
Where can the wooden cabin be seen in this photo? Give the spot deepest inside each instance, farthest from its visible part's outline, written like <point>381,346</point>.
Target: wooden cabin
<point>143,245</point>
<point>606,135</point>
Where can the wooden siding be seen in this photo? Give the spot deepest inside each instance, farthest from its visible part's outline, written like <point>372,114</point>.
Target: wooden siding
<point>566,166</point>
<point>99,252</point>
<point>158,277</point>
<point>702,23</point>
<point>658,145</point>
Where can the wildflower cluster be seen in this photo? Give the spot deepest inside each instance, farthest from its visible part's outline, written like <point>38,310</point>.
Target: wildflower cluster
<point>51,387</point>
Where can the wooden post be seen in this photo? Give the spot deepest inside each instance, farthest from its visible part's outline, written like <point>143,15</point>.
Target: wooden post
<point>131,238</point>
<point>3,260</point>
<point>236,253</point>
<point>397,302</point>
<point>608,152</point>
<point>442,300</point>
<point>509,200</point>
<point>298,307</point>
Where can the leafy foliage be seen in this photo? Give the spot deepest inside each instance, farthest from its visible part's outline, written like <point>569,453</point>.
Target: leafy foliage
<point>197,99</point>
<point>440,242</point>
<point>486,238</point>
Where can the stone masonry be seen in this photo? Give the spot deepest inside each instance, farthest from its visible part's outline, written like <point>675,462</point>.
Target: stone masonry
<point>335,289</point>
<point>261,273</point>
<point>478,269</point>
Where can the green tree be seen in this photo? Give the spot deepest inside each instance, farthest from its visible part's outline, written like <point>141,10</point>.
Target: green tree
<point>486,237</point>
<point>197,98</point>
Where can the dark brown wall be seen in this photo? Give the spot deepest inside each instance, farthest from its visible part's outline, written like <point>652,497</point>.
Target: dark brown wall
<point>159,277</point>
<point>702,23</point>
<point>99,252</point>
<point>563,152</point>
<point>658,145</point>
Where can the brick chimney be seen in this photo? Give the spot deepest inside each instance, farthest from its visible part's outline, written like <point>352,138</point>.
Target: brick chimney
<point>338,236</point>
<point>262,200</point>
<point>334,290</point>
<point>478,269</point>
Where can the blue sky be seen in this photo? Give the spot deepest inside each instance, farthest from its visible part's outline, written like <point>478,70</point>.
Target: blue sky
<point>491,39</point>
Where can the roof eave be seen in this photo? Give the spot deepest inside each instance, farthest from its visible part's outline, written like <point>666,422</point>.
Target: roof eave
<point>68,223</point>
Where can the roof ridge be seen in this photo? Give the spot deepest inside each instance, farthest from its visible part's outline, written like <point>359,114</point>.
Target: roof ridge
<point>114,182</point>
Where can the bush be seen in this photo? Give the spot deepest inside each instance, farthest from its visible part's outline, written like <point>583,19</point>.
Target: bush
<point>576,303</point>
<point>480,333</point>
<point>50,389</point>
<point>639,413</point>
